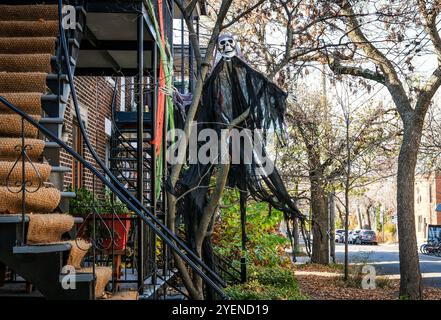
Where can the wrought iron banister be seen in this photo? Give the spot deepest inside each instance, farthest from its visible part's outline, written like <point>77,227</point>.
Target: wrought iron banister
<point>174,242</point>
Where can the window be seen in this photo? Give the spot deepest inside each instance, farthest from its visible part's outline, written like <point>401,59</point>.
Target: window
<point>420,222</point>
<point>77,145</point>
<point>430,193</point>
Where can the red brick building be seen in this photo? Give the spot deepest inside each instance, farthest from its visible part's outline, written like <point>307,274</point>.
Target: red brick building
<point>427,199</point>
<point>95,99</point>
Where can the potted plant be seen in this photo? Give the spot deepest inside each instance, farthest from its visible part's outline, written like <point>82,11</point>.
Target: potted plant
<point>81,206</point>
<point>117,219</point>
<point>112,220</point>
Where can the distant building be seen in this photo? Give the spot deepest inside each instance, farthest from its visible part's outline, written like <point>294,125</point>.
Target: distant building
<point>427,201</point>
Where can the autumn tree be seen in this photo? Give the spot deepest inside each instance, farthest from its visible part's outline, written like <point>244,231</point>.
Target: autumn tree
<point>404,22</point>
<point>382,44</point>
<point>317,151</point>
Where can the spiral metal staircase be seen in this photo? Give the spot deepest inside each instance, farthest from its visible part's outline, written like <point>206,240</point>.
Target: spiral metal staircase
<point>38,238</point>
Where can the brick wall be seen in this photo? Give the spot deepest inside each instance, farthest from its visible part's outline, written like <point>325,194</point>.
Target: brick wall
<point>427,197</point>
<point>95,97</point>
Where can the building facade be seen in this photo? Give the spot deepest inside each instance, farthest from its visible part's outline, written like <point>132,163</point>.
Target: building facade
<point>427,198</point>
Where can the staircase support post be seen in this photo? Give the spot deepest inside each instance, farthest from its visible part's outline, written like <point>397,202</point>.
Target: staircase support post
<point>153,161</point>
<point>140,147</point>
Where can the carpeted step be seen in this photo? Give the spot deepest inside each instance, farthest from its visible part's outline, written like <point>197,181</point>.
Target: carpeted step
<point>39,28</point>
<point>29,102</point>
<point>40,62</point>
<point>10,148</point>
<point>28,12</point>
<point>11,126</point>
<point>79,250</point>
<point>48,228</point>
<point>45,199</point>
<point>103,276</point>
<point>123,295</point>
<point>28,45</point>
<point>23,82</point>
<point>36,173</point>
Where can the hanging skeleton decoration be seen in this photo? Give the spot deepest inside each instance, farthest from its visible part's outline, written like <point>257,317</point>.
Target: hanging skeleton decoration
<point>233,89</point>
<point>226,46</point>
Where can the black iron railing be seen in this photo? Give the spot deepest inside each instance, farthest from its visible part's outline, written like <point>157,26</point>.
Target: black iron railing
<point>103,175</point>
<point>168,237</point>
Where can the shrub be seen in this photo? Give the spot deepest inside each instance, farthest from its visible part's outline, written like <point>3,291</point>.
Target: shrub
<point>265,244</point>
<point>390,228</point>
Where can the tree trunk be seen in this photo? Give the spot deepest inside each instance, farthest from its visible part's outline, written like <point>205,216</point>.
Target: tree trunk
<point>332,226</point>
<point>359,218</point>
<point>410,280</point>
<point>320,222</point>
<point>296,235</point>
<point>368,217</point>
<point>340,215</point>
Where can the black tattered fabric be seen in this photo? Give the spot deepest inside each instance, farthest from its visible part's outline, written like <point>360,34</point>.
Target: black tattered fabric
<point>232,89</point>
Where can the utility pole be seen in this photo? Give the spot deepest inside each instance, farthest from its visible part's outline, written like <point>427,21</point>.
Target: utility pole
<point>331,204</point>
<point>382,222</point>
<point>347,185</point>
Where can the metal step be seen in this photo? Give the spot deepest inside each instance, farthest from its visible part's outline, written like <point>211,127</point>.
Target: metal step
<point>150,289</point>
<point>56,77</point>
<point>51,145</point>
<point>59,247</point>
<point>51,120</point>
<point>68,194</point>
<point>54,61</point>
<point>12,218</point>
<point>52,98</point>
<point>60,169</point>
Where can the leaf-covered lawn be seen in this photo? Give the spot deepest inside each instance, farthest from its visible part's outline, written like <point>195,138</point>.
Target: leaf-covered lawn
<point>325,287</point>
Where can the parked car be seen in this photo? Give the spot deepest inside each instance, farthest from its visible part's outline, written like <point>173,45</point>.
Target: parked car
<point>353,236</point>
<point>339,235</point>
<point>342,237</point>
<point>367,236</point>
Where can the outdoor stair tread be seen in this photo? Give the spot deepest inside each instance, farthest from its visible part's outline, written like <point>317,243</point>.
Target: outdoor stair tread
<point>60,169</point>
<point>12,218</point>
<point>51,120</point>
<point>68,194</point>
<point>150,289</point>
<point>52,98</point>
<point>42,248</point>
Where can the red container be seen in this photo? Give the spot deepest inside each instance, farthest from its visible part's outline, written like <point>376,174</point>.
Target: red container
<point>121,229</point>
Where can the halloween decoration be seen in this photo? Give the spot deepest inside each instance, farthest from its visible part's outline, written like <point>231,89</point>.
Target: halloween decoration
<point>226,46</point>
<point>233,89</point>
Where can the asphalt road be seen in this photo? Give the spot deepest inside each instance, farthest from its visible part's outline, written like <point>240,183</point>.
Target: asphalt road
<point>385,259</point>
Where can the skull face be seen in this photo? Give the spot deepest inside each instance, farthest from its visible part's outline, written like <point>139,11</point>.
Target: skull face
<point>227,46</point>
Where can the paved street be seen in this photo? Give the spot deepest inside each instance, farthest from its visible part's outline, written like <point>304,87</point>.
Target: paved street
<point>386,261</point>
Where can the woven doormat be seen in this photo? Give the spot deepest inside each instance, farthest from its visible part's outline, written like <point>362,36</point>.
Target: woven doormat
<point>29,28</point>
<point>79,250</point>
<point>11,126</point>
<point>103,276</point>
<point>48,228</point>
<point>25,63</point>
<point>24,45</point>
<point>29,102</point>
<point>35,173</point>
<point>44,200</point>
<point>23,82</point>
<point>10,148</point>
<point>31,12</point>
